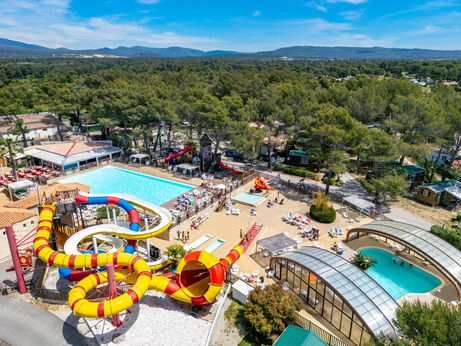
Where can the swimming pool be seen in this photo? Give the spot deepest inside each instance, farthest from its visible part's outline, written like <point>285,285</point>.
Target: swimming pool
<point>247,198</point>
<point>110,179</point>
<point>213,246</point>
<point>398,279</point>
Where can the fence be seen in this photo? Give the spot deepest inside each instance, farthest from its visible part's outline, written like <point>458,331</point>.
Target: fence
<point>330,339</point>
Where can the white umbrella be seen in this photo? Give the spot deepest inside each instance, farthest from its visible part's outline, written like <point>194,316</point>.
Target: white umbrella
<point>220,187</point>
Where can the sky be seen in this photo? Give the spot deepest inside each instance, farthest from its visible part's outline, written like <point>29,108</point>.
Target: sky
<point>237,25</point>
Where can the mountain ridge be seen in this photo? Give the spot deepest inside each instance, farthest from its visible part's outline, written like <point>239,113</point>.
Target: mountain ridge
<point>16,49</point>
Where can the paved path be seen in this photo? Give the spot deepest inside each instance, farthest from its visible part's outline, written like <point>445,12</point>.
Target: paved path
<point>25,324</point>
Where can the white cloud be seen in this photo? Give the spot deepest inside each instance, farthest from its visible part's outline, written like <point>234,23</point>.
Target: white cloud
<point>358,40</point>
<point>428,29</point>
<point>353,2</point>
<point>352,15</point>
<point>149,2</point>
<point>256,13</point>
<point>320,25</point>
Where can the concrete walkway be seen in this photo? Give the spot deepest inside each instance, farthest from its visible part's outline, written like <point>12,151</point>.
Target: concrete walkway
<point>26,324</point>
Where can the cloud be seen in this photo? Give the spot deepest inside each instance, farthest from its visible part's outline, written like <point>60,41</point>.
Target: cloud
<point>320,25</point>
<point>428,29</point>
<point>256,13</point>
<point>149,2</point>
<point>357,40</point>
<point>352,15</point>
<point>352,2</point>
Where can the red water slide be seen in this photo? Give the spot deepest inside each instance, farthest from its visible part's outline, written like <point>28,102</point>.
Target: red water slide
<point>179,153</point>
<point>227,168</point>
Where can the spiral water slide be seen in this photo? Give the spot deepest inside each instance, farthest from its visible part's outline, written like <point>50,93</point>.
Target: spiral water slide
<point>199,275</point>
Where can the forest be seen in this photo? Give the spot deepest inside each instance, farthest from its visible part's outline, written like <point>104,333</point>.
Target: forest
<point>335,110</point>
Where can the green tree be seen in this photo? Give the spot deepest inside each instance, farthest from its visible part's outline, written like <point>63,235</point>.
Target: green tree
<point>387,187</point>
<point>8,150</point>
<point>268,311</point>
<point>432,324</point>
<point>19,129</point>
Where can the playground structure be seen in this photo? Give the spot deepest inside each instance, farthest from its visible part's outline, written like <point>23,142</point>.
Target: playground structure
<point>227,168</point>
<point>179,153</point>
<point>199,275</point>
<point>261,185</point>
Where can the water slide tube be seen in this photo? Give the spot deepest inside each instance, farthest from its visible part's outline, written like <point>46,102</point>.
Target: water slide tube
<point>199,275</point>
<point>227,168</point>
<point>260,184</point>
<point>179,153</point>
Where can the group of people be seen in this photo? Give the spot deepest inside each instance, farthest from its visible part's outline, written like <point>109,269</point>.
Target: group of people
<point>183,236</point>
<point>312,234</point>
<point>275,201</point>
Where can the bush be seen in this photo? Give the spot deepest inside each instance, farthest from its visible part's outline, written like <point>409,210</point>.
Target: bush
<point>322,215</point>
<point>452,236</point>
<point>300,172</point>
<point>321,210</point>
<point>268,311</point>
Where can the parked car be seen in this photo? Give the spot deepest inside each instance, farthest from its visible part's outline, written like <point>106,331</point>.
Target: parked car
<point>240,158</point>
<point>231,153</point>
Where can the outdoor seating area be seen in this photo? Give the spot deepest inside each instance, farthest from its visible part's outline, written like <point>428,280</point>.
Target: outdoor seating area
<point>38,174</point>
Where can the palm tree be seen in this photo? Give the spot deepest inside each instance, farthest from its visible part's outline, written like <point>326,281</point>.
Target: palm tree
<point>175,252</point>
<point>8,150</point>
<point>362,261</point>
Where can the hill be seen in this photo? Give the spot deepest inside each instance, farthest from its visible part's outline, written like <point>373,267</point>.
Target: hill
<point>15,49</point>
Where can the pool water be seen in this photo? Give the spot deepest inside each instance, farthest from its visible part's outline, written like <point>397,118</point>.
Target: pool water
<point>213,246</point>
<point>110,179</point>
<point>398,279</point>
<point>247,198</point>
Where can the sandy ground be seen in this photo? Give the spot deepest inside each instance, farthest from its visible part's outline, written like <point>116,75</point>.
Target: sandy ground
<point>158,320</point>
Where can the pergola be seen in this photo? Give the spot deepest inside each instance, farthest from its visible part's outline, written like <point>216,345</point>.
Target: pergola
<point>138,157</point>
<point>21,184</point>
<point>187,168</point>
<point>276,243</point>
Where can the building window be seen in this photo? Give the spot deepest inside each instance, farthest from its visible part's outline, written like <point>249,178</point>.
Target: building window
<point>4,233</point>
<point>32,222</point>
<point>45,130</point>
<point>24,225</point>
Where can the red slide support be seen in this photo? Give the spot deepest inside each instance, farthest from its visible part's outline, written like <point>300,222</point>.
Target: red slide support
<point>179,153</point>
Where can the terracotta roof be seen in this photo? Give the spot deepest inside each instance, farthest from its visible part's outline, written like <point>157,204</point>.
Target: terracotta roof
<point>49,190</point>
<point>10,216</point>
<point>33,121</point>
<point>71,148</point>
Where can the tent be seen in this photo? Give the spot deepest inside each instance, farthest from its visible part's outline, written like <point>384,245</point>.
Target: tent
<point>138,157</point>
<point>188,169</point>
<point>19,185</point>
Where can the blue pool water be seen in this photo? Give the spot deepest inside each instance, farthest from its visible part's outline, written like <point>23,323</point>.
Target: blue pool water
<point>396,279</point>
<point>213,246</point>
<point>109,180</point>
<point>248,198</point>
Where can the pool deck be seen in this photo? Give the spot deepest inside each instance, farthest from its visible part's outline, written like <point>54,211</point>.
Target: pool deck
<point>227,226</point>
